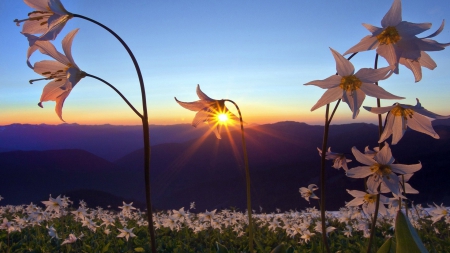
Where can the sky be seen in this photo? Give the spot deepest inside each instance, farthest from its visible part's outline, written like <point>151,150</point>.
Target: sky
<point>256,53</point>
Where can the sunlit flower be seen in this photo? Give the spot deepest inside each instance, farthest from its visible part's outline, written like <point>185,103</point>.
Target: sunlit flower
<point>352,87</point>
<point>368,201</point>
<point>72,238</point>
<point>307,193</point>
<point>208,110</point>
<point>381,169</point>
<point>339,159</point>
<point>48,19</point>
<point>127,233</point>
<point>402,116</point>
<point>396,41</point>
<point>63,72</point>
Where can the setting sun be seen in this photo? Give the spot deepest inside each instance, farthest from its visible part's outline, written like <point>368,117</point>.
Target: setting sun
<point>222,117</point>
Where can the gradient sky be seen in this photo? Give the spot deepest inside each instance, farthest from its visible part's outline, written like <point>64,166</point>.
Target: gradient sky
<point>257,53</point>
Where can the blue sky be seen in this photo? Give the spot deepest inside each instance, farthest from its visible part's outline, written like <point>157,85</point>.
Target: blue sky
<point>257,53</point>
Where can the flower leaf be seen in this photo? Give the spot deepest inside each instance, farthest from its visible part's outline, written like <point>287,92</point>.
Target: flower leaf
<point>408,241</point>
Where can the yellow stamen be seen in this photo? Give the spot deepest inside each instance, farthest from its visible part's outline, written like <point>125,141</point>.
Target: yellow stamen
<point>350,83</point>
<point>381,169</point>
<point>403,112</point>
<point>389,36</point>
<point>370,198</point>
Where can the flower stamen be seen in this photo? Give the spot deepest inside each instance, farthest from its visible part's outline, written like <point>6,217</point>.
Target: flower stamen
<point>350,83</point>
<point>389,36</point>
<point>381,169</point>
<point>403,112</point>
<point>370,198</point>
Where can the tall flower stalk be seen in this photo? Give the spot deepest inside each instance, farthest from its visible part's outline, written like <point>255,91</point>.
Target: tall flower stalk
<point>210,111</point>
<point>48,20</point>
<point>145,130</point>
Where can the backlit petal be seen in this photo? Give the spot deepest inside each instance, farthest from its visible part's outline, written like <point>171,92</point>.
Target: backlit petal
<point>367,43</point>
<point>360,157</point>
<point>329,96</point>
<point>393,16</point>
<point>343,66</point>
<point>330,82</point>
<point>406,168</point>
<point>422,124</point>
<point>376,91</point>
<point>359,172</point>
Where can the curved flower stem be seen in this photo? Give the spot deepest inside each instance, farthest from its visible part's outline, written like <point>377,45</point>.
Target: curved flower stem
<point>322,177</point>
<point>380,145</point>
<point>118,92</point>
<point>247,176</point>
<point>145,129</point>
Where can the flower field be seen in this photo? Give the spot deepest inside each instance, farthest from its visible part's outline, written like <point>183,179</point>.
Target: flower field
<point>60,227</point>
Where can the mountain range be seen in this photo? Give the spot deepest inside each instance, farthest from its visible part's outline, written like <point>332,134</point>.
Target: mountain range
<point>188,165</point>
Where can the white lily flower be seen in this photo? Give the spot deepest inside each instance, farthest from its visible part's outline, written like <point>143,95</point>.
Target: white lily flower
<point>209,111</point>
<point>402,116</point>
<point>339,159</point>
<point>396,41</point>
<point>368,201</point>
<point>352,87</point>
<point>307,193</point>
<point>63,72</point>
<point>381,169</point>
<point>48,19</point>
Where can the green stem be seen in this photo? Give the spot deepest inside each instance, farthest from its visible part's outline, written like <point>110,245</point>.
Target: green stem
<point>247,176</point>
<point>322,179</point>
<point>145,129</point>
<point>380,145</point>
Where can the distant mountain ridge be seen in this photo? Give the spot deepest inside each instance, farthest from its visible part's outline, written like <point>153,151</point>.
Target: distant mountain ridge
<point>282,157</point>
<point>107,141</point>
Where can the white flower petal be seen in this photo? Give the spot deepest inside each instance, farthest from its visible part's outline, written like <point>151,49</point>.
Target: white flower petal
<point>384,156</point>
<point>405,28</point>
<point>398,129</point>
<point>369,75</point>
<point>202,95</point>
<point>376,91</point>
<point>422,124</point>
<point>330,82</point>
<point>426,61</point>
<point>67,45</point>
<point>393,16</point>
<point>405,168</point>
<point>414,66</point>
<point>343,66</point>
<point>379,110</point>
<point>356,193</point>
<point>367,43</point>
<point>387,128</point>
<point>359,172</point>
<point>360,157</point>
<point>329,96</point>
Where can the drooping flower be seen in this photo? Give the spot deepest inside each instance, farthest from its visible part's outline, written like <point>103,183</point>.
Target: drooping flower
<point>352,87</point>
<point>396,41</point>
<point>209,111</point>
<point>307,193</point>
<point>402,116</point>
<point>339,159</point>
<point>63,72</point>
<point>48,19</point>
<point>368,201</point>
<point>381,169</point>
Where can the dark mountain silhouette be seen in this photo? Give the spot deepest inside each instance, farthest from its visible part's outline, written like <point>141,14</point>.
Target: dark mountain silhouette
<point>282,158</point>
<point>107,141</point>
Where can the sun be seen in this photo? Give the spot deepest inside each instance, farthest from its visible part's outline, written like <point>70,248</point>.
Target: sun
<point>222,117</point>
